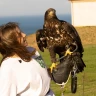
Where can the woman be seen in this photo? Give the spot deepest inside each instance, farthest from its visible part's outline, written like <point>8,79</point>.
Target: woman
<point>20,74</point>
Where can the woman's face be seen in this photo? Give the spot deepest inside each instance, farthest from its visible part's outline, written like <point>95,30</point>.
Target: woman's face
<point>21,37</point>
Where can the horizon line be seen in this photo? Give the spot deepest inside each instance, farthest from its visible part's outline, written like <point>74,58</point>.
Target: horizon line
<point>29,15</point>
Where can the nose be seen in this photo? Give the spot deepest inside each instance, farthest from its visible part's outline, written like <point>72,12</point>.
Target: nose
<point>23,34</point>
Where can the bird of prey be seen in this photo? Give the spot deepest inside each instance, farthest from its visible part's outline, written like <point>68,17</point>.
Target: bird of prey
<point>59,37</point>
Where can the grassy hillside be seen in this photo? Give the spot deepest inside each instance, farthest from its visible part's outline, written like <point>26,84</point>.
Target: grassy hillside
<point>87,34</point>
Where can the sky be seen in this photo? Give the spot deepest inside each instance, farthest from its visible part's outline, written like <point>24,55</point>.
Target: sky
<point>33,7</point>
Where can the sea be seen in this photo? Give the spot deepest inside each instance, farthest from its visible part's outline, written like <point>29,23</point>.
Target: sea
<point>30,24</point>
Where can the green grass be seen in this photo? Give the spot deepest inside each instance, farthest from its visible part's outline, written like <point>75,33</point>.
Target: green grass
<point>86,80</point>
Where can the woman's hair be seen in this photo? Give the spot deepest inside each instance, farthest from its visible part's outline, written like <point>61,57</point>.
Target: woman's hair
<point>9,43</point>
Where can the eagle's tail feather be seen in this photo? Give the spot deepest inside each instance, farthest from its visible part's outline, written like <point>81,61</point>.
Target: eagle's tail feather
<point>77,59</point>
<point>81,65</point>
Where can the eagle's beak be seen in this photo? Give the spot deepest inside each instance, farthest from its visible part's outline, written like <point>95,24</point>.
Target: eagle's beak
<point>51,13</point>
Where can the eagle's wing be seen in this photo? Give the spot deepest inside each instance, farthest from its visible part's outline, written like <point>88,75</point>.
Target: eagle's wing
<point>69,28</point>
<point>41,40</point>
<point>72,33</point>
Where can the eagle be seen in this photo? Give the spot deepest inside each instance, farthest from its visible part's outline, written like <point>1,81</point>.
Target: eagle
<point>61,37</point>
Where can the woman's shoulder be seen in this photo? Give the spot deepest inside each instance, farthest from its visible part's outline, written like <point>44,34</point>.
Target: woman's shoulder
<point>6,66</point>
<point>8,62</point>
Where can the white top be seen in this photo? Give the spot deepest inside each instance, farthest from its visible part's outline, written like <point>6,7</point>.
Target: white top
<point>20,78</point>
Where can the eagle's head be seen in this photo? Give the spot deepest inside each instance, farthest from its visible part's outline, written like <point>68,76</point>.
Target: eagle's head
<point>50,13</point>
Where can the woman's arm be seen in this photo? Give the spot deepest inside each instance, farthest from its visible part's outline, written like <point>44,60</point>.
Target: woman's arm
<point>6,81</point>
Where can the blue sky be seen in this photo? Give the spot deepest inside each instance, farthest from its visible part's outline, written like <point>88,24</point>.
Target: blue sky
<point>33,7</point>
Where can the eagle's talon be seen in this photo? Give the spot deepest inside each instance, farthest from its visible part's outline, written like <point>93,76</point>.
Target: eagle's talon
<point>68,52</point>
<point>53,66</point>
